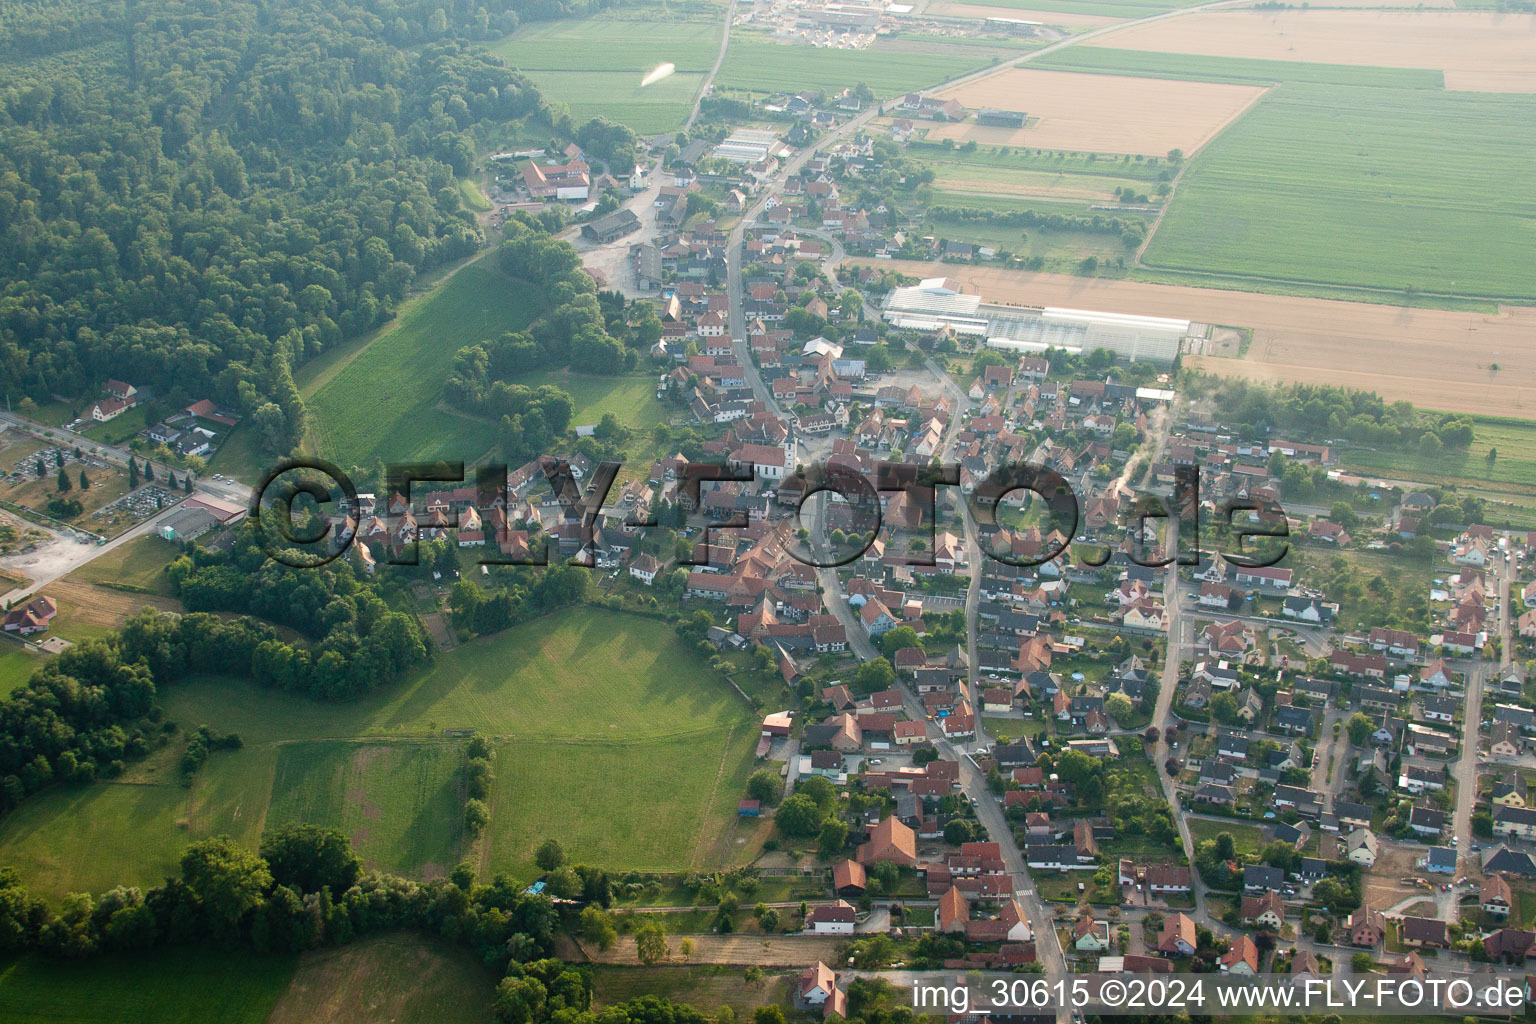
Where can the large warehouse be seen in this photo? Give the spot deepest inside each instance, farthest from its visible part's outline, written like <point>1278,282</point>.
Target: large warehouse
<point>937,303</point>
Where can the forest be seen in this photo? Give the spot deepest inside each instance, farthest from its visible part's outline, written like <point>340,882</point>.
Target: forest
<point>200,195</point>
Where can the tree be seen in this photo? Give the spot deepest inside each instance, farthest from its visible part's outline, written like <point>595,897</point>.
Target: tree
<point>1118,705</point>
<point>133,473</point>
<point>798,816</point>
<point>597,927</point>
<point>550,855</point>
<point>1343,514</point>
<point>1359,727</point>
<point>1224,708</point>
<point>308,857</point>
<point>685,947</point>
<point>834,834</point>
<point>229,880</point>
<point>85,482</point>
<point>63,480</point>
<point>765,784</point>
<point>651,943</point>
<point>1362,963</point>
<point>770,1014</point>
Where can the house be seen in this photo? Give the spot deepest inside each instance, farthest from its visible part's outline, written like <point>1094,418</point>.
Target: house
<point>1496,896</point>
<point>1519,822</point>
<point>1427,821</point>
<point>32,617</point>
<point>1441,860</point>
<point>1366,927</point>
<point>1261,878</point>
<point>1089,935</point>
<point>644,568</point>
<point>1177,938</point>
<point>1267,910</point>
<point>1424,931</point>
<point>1362,847</point>
<point>849,878</point>
<point>1509,945</point>
<point>1505,740</point>
<point>832,919</point>
<point>1505,861</point>
<point>953,911</point>
<point>1509,791</point>
<point>890,842</point>
<point>611,226</point>
<point>747,808</point>
<point>817,990</point>
<point>1241,958</point>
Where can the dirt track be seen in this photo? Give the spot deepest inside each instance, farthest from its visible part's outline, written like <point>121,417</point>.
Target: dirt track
<point>1099,113</point>
<point>1435,358</point>
<point>735,950</point>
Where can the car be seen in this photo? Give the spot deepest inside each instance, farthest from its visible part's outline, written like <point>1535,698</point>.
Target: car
<point>1455,840</point>
<point>874,760</point>
<point>1476,847</point>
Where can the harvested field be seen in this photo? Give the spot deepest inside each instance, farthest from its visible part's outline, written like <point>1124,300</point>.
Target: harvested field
<point>1493,48</point>
<point>396,978</point>
<point>1438,359</point>
<point>87,611</point>
<point>737,950</point>
<point>1099,113</point>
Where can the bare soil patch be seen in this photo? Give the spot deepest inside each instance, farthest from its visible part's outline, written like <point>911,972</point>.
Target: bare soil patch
<point>83,604</point>
<point>1384,885</point>
<point>1438,359</point>
<point>1099,113</point>
<point>1490,47</point>
<point>736,950</point>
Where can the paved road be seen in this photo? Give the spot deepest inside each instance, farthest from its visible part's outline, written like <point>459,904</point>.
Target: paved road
<point>109,453</point>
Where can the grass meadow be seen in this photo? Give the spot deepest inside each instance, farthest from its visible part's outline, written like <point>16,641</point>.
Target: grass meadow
<point>400,978</point>
<point>613,736</point>
<point>631,399</point>
<point>1347,185</point>
<point>384,403</point>
<point>402,804</point>
<point>1515,463</point>
<point>617,95</point>
<point>187,985</point>
<point>1198,68</point>
<point>755,63</point>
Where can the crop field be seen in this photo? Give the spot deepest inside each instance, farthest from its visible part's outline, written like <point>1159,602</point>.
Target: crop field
<point>617,95</point>
<point>1066,19</point>
<point>589,45</point>
<point>383,405</point>
<point>1342,185</point>
<point>1041,10</point>
<point>402,804</point>
<point>1060,249</point>
<point>960,176</point>
<point>1515,464</point>
<point>401,979</point>
<point>1099,113</point>
<point>1485,52</point>
<point>89,612</point>
<point>185,985</point>
<point>1206,68</point>
<point>754,63</point>
<point>1001,162</point>
<point>1435,358</point>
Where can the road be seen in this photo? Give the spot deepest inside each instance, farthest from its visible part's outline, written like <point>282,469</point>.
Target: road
<point>709,79</point>
<point>1477,672</point>
<point>109,453</point>
<point>1180,635</point>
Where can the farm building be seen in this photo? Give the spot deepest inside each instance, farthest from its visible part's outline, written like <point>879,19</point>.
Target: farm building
<point>611,226</point>
<point>748,146</point>
<point>1001,118</point>
<point>937,303</point>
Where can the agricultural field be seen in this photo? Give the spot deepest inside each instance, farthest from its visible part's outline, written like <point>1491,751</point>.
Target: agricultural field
<point>576,63</point>
<point>1438,359</point>
<point>706,987</point>
<point>617,95</point>
<point>402,804</point>
<point>1515,463</point>
<point>1061,250</point>
<point>756,64</point>
<point>1071,20</point>
<point>383,404</point>
<point>387,979</point>
<point>137,566</point>
<point>1099,113</point>
<point>185,985</point>
<point>1041,10</point>
<point>1369,199</point>
<point>1205,68</point>
<point>1484,52</point>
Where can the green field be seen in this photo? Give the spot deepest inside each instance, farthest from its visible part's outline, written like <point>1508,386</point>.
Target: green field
<point>399,978</point>
<point>1061,250</point>
<point>1197,68</point>
<point>589,44</point>
<point>643,805</point>
<point>659,107</point>
<point>187,985</point>
<point>1245,838</point>
<point>631,399</point>
<point>138,565</point>
<point>755,63</point>
<point>16,666</point>
<point>612,737</point>
<point>1515,464</point>
<point>1385,188</point>
<point>1100,8</point>
<point>383,405</point>
<point>402,804</point>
